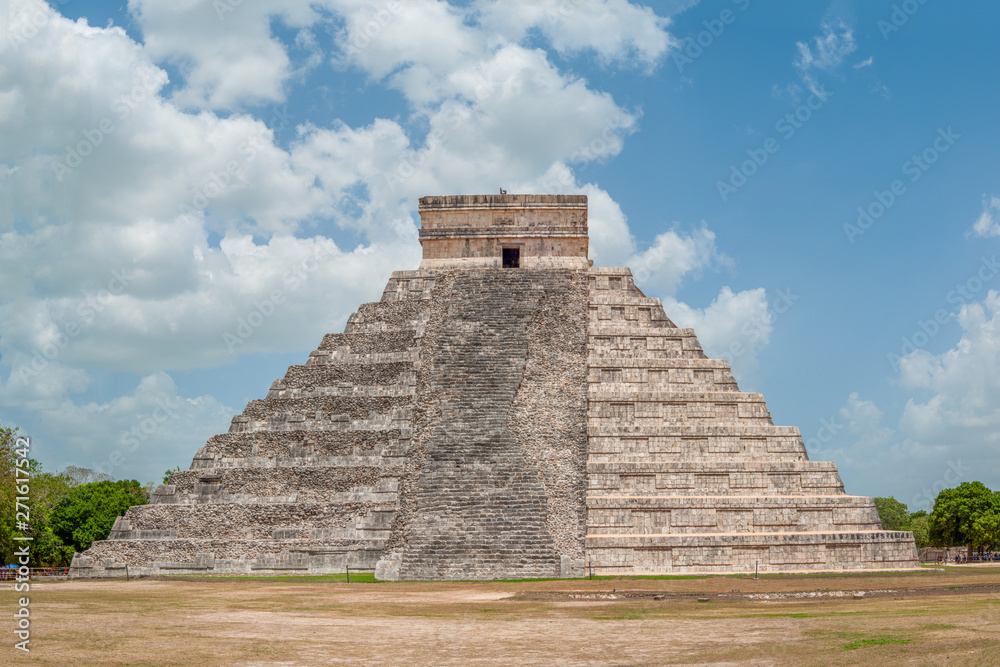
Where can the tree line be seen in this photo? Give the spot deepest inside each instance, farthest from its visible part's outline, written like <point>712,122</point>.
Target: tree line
<point>965,516</point>
<point>66,511</point>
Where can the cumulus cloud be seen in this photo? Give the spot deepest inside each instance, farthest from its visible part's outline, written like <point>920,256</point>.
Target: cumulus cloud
<point>230,58</point>
<point>137,435</point>
<point>953,427</point>
<point>964,382</point>
<point>674,256</point>
<point>988,223</point>
<point>616,30</point>
<point>874,456</point>
<point>735,326</point>
<point>225,51</point>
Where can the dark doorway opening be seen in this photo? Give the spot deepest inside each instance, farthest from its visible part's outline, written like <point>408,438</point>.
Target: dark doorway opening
<point>511,258</point>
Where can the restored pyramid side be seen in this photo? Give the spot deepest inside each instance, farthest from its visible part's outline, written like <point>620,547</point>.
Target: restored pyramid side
<point>495,478</point>
<point>688,474</point>
<point>306,480</point>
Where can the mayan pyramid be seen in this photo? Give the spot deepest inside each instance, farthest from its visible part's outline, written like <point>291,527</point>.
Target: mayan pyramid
<point>505,411</point>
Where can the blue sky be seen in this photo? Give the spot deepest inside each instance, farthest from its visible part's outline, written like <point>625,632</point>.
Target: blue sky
<point>811,185</point>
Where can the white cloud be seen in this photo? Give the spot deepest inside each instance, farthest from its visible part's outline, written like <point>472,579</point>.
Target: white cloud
<point>828,50</point>
<point>867,62</point>
<point>864,421</point>
<point>136,435</point>
<point>952,428</point>
<point>735,326</point>
<point>616,30</point>
<point>964,382</point>
<point>825,52</point>
<point>225,51</point>
<point>872,455</point>
<point>988,223</point>
<point>674,256</point>
<point>230,58</point>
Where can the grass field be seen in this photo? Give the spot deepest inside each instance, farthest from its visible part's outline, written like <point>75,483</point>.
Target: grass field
<point>924,618</point>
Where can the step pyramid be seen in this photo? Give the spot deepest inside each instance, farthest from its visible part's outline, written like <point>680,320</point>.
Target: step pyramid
<point>505,411</point>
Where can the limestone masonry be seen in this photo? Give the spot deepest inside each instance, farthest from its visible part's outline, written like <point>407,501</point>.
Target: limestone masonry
<point>504,411</point>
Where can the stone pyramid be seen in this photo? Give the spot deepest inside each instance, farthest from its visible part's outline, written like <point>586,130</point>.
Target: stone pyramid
<point>505,411</point>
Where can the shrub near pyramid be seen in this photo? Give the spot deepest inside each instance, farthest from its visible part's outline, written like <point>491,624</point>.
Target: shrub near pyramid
<point>505,411</point>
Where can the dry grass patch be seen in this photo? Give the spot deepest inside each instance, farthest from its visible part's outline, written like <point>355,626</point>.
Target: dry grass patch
<point>933,618</point>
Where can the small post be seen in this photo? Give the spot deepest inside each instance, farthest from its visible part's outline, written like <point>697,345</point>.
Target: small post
<point>126,571</point>
<point>755,569</point>
<point>348,574</point>
<point>589,565</point>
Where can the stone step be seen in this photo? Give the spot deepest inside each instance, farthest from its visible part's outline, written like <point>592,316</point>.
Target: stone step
<point>380,342</point>
<point>354,407</point>
<point>250,520</point>
<point>299,443</point>
<point>691,478</point>
<point>226,556</point>
<point>409,285</point>
<point>729,552</point>
<point>306,378</point>
<point>695,431</point>
<point>339,357</point>
<point>277,480</point>
<point>344,391</point>
<point>728,514</point>
<point>389,316</point>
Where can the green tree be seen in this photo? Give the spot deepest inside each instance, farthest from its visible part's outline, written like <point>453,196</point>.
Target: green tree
<point>986,529</point>
<point>47,492</point>
<point>88,511</point>
<point>921,532</point>
<point>166,475</point>
<point>953,522</point>
<point>7,493</point>
<point>13,480</point>
<point>893,514</point>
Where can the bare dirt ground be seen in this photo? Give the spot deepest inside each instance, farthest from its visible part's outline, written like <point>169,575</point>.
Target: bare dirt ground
<point>924,618</point>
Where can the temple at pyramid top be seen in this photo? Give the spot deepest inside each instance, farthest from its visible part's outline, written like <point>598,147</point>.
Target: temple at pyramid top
<point>510,231</point>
